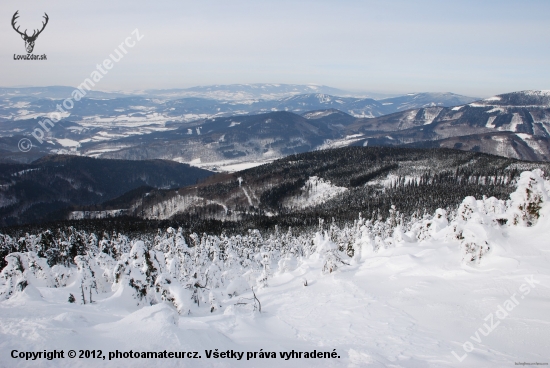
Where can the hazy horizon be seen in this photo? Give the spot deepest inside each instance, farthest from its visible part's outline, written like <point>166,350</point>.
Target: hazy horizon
<point>358,93</point>
<point>469,48</point>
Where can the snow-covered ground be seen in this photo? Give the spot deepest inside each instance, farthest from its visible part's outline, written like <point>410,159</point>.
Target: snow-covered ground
<point>227,165</point>
<point>406,307</point>
<point>411,300</point>
<point>315,191</point>
<point>341,142</point>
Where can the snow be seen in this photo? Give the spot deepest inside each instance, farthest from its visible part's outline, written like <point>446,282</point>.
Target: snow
<point>97,153</point>
<point>544,92</point>
<point>20,104</point>
<point>177,204</point>
<point>516,120</point>
<point>496,109</point>
<point>315,191</point>
<point>270,153</point>
<point>242,165</point>
<point>430,114</point>
<point>545,126</point>
<point>65,142</point>
<point>319,114</point>
<point>230,165</point>
<point>247,197</point>
<point>363,114</point>
<point>141,108</point>
<point>409,307</point>
<point>536,145</point>
<point>490,121</point>
<point>341,142</point>
<point>25,114</point>
<point>392,179</point>
<point>413,301</point>
<point>19,173</point>
<point>78,215</point>
<point>195,161</point>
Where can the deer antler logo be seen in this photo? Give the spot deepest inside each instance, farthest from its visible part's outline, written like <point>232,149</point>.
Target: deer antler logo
<point>29,40</point>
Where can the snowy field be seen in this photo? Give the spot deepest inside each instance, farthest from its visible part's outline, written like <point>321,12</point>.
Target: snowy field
<point>414,299</point>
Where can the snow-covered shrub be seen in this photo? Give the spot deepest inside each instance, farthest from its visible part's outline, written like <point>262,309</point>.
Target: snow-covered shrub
<point>12,277</point>
<point>139,270</point>
<point>214,300</point>
<point>422,229</point>
<point>469,228</point>
<point>328,253</point>
<point>171,291</point>
<point>61,275</point>
<point>363,244</point>
<point>474,244</point>
<point>237,286</point>
<point>85,276</point>
<point>265,261</point>
<point>287,263</point>
<point>103,266</point>
<point>527,201</point>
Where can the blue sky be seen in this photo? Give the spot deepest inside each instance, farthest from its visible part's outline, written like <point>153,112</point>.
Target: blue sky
<point>477,48</point>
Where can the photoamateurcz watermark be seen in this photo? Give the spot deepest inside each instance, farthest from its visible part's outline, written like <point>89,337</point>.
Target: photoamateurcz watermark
<point>25,144</point>
<point>501,313</point>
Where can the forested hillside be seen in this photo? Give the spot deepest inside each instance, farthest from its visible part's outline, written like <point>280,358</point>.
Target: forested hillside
<point>40,191</point>
<point>331,184</point>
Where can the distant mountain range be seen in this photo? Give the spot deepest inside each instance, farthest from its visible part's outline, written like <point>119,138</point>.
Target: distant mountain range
<point>107,122</point>
<point>416,100</point>
<point>226,134</point>
<point>497,125</point>
<point>51,92</point>
<point>513,125</point>
<point>218,141</point>
<point>243,92</point>
<point>227,92</point>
